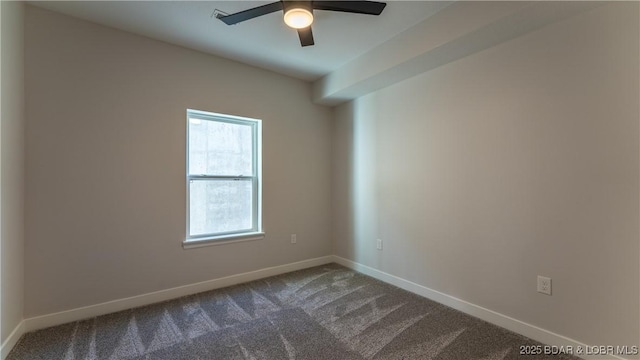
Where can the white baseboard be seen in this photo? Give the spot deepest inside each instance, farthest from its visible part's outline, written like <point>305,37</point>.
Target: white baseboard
<point>12,340</point>
<point>515,325</point>
<point>507,322</point>
<point>63,317</point>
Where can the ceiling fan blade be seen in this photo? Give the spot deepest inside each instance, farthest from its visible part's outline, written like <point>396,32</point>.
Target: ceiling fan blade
<point>306,36</point>
<point>251,13</point>
<point>359,7</point>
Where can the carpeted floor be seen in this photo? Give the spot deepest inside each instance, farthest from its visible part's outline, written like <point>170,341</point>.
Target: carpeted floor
<point>327,312</point>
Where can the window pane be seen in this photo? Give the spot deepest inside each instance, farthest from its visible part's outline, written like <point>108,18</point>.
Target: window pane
<point>219,148</point>
<point>220,206</point>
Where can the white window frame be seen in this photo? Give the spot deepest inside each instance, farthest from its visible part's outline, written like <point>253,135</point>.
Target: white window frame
<point>255,233</point>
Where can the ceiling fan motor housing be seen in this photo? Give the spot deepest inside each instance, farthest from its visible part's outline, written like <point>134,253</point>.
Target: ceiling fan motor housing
<point>306,5</point>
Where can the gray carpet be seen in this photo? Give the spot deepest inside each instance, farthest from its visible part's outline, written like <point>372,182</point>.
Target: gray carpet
<point>326,312</point>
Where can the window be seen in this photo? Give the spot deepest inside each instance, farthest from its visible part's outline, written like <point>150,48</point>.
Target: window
<point>223,178</point>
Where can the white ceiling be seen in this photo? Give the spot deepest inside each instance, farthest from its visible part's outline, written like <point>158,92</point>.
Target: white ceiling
<point>265,41</point>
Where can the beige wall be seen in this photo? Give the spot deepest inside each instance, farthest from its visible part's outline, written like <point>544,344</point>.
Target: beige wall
<point>12,167</point>
<point>105,210</point>
<point>518,161</point>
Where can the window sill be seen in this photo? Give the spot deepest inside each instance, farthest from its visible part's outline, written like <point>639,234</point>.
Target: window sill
<point>221,240</point>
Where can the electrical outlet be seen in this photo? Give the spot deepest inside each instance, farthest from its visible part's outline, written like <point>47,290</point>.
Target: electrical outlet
<point>379,244</point>
<point>294,238</point>
<point>544,285</point>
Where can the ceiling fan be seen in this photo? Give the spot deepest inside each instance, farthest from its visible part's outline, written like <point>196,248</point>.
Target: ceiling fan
<point>299,14</point>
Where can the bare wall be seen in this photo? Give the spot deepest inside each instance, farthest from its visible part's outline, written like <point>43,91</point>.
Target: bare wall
<point>518,161</point>
<point>105,209</point>
<point>12,167</point>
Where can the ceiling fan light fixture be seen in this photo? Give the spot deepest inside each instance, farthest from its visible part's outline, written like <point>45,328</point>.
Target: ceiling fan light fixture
<point>298,18</point>
<point>298,14</point>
